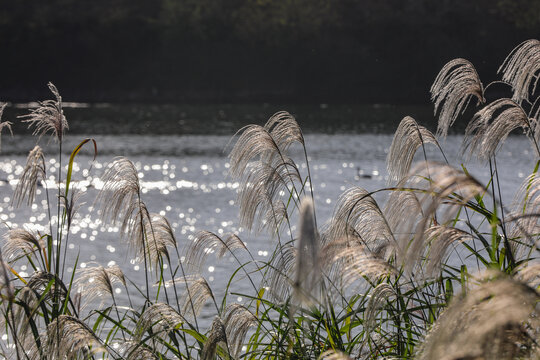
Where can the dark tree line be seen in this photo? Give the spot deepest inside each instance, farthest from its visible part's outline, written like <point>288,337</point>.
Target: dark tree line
<point>251,50</point>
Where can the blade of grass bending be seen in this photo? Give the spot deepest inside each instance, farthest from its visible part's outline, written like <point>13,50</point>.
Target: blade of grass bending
<point>67,300</point>
<point>72,158</point>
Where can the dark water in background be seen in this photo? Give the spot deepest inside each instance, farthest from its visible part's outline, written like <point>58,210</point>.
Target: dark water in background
<point>180,152</point>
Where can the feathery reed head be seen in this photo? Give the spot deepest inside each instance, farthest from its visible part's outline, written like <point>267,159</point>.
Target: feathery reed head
<point>453,88</point>
<point>158,317</point>
<point>216,336</point>
<point>237,320</point>
<point>490,126</point>
<point>95,281</point>
<point>308,271</point>
<point>33,172</point>
<point>358,214</point>
<point>520,69</point>
<point>70,338</point>
<point>4,124</point>
<point>206,243</point>
<point>408,137</point>
<point>48,116</point>
<point>489,322</point>
<point>19,243</point>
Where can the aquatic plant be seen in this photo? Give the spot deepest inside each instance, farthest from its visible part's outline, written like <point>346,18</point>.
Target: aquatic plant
<point>374,282</point>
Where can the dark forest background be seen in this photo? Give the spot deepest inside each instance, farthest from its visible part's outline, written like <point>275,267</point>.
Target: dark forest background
<point>383,51</point>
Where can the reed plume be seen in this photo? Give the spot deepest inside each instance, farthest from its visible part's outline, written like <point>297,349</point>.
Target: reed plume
<point>520,69</point>
<point>197,293</point>
<point>33,172</point>
<point>439,238</point>
<point>19,243</point>
<point>4,124</point>
<point>48,116</point>
<point>490,126</point>
<point>158,317</point>
<point>70,338</point>
<point>357,213</point>
<point>237,320</point>
<point>452,90</point>
<point>488,323</point>
<point>206,243</point>
<point>307,270</point>
<point>378,299</point>
<point>408,138</point>
<point>96,281</point>
<point>438,184</point>
<point>216,336</point>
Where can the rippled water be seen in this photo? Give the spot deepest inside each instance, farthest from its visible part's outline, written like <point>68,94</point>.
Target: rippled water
<point>185,178</point>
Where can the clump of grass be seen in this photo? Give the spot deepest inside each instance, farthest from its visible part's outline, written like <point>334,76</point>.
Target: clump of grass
<point>374,282</point>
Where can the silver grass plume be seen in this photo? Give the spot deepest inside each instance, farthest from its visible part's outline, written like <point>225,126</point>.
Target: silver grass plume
<point>19,243</point>
<point>402,202</point>
<point>378,298</point>
<point>237,320</point>
<point>259,159</point>
<point>349,261</point>
<point>452,90</point>
<point>158,317</point>
<point>262,188</point>
<point>489,322</point>
<point>528,274</point>
<point>193,300</point>
<point>358,214</point>
<point>39,283</point>
<point>4,124</point>
<point>306,286</point>
<point>520,69</point>
<point>7,290</point>
<point>33,172</point>
<point>490,126</point>
<point>135,350</point>
<point>96,281</point>
<point>284,130</point>
<point>525,218</point>
<point>281,273</point>
<point>120,195</point>
<point>206,243</point>
<point>440,238</point>
<point>48,116</point>
<point>437,184</point>
<point>408,138</point>
<point>334,355</point>
<point>70,338</point>
<point>216,336</point>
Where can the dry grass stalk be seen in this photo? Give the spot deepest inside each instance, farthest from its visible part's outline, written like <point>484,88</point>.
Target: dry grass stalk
<point>408,138</point>
<point>452,90</point>
<point>48,116</point>
<point>520,69</point>
<point>34,171</point>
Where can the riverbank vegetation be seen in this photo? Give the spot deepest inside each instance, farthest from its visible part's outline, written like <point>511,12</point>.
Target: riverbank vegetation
<point>442,270</point>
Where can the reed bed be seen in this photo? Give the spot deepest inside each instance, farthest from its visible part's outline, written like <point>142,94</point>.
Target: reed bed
<point>374,282</point>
